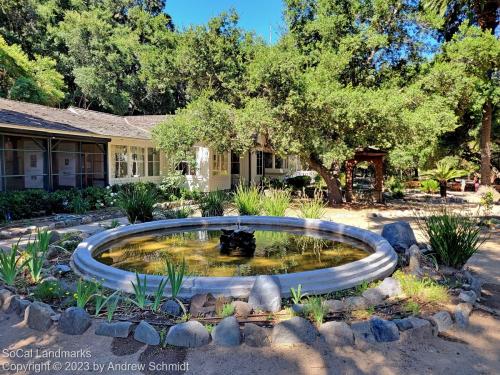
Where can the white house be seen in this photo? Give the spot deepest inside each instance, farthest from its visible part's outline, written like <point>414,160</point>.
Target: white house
<point>50,148</point>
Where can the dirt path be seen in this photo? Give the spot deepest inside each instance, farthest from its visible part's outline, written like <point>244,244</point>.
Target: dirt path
<point>476,353</point>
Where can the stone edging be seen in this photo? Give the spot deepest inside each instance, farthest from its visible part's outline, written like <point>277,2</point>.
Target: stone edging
<point>376,266</point>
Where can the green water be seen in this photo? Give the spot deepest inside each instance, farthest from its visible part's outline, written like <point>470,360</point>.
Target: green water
<point>276,252</point>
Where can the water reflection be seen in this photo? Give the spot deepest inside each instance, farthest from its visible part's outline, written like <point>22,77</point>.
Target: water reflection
<point>276,252</point>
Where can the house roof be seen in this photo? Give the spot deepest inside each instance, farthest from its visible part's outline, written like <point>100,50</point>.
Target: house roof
<point>72,119</point>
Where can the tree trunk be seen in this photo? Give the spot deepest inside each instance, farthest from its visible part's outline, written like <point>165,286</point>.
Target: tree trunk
<point>485,143</point>
<point>442,188</point>
<point>334,193</point>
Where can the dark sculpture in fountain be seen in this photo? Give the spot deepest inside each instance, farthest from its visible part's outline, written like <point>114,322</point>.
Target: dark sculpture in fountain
<point>239,241</point>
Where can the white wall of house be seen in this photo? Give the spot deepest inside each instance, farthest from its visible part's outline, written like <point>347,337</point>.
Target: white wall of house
<point>135,162</point>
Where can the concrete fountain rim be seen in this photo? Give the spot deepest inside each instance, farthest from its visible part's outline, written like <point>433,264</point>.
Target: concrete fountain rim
<point>379,264</point>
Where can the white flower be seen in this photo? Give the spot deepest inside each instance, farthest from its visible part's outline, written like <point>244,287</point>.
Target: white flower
<point>108,187</point>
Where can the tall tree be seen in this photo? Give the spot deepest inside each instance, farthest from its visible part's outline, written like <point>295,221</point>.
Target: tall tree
<point>484,13</point>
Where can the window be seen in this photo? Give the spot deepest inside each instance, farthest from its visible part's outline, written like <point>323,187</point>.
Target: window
<point>25,163</point>
<point>137,154</point>
<point>153,162</point>
<point>121,166</point>
<point>235,163</point>
<point>259,163</point>
<point>219,164</point>
<point>268,160</point>
<point>278,162</point>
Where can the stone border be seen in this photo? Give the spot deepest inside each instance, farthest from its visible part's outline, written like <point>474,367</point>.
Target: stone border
<point>381,263</point>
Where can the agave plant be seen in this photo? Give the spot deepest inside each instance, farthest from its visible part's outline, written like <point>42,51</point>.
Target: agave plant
<point>443,173</point>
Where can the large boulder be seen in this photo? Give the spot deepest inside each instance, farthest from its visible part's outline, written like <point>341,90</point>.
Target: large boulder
<point>38,316</point>
<point>227,332</point>
<point>191,334</point>
<point>442,320</point>
<point>399,235</point>
<point>337,333</point>
<point>256,336</point>
<point>265,294</point>
<point>74,321</point>
<point>147,334</point>
<point>114,329</point>
<point>294,331</point>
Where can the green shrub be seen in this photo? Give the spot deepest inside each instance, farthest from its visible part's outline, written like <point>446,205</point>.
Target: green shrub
<point>454,237</point>
<point>298,182</point>
<point>396,187</point>
<point>172,184</point>
<point>176,212</point>
<point>422,290</point>
<point>140,291</point>
<point>275,202</point>
<point>227,310</point>
<point>138,202</point>
<point>85,290</point>
<point>212,204</point>
<point>16,205</point>
<point>315,309</point>
<point>247,200</point>
<point>430,186</point>
<point>313,208</point>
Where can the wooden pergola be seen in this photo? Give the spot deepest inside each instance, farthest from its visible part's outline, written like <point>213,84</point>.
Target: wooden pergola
<point>373,156</point>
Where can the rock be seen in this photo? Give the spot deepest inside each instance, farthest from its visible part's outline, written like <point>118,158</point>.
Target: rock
<point>191,334</point>
<point>335,305</point>
<point>403,324</point>
<point>227,332</point>
<point>363,335</point>
<point>442,320</point>
<point>74,321</point>
<point>390,287</point>
<point>384,330</point>
<point>115,329</point>
<point>476,285</point>
<point>38,316</point>
<point>374,296</point>
<point>337,333</point>
<point>86,220</point>
<point>298,308</point>
<point>265,294</point>
<point>242,309</point>
<point>62,269</point>
<point>20,305</point>
<point>55,236</point>
<point>146,334</point>
<point>294,331</point>
<point>467,296</point>
<point>399,235</point>
<point>202,304</point>
<point>462,313</point>
<point>5,296</point>
<point>171,307</point>
<point>421,329</point>
<point>356,303</point>
<point>256,336</point>
<point>414,256</point>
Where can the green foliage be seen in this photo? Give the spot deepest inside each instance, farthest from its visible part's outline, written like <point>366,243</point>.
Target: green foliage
<point>445,171</point>
<point>176,277</point>
<point>430,186</point>
<point>454,237</point>
<point>181,211</point>
<point>140,291</point>
<point>112,305</point>
<point>227,310</point>
<point>275,202</point>
<point>396,187</point>
<point>35,81</point>
<point>48,291</point>
<point>296,294</point>
<point>172,184</point>
<point>316,309</point>
<point>313,208</point>
<point>298,182</point>
<point>247,200</point>
<point>422,290</point>
<point>486,202</point>
<point>412,307</point>
<point>10,264</point>
<point>36,253</point>
<point>85,290</point>
<point>138,202</point>
<point>212,203</point>
<point>155,306</point>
